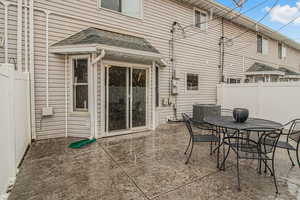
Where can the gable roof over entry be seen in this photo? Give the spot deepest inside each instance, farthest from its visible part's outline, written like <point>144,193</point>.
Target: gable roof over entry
<point>103,37</point>
<point>118,46</point>
<point>263,69</point>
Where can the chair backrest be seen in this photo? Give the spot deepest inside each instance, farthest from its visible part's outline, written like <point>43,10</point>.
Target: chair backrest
<point>268,140</point>
<point>187,121</point>
<point>294,131</point>
<point>266,143</point>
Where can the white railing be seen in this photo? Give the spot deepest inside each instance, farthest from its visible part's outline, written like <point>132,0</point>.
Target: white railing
<point>14,123</point>
<point>278,101</point>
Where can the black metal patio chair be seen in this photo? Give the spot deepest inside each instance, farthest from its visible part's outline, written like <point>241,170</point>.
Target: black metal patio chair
<point>249,149</point>
<point>293,135</point>
<point>195,138</point>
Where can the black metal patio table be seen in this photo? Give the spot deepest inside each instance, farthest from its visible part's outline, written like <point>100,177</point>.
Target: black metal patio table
<point>223,123</point>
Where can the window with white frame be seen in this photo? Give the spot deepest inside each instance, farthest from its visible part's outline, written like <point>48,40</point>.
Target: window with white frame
<point>131,8</point>
<point>80,84</point>
<point>192,82</point>
<point>233,80</point>
<point>281,51</point>
<point>262,45</point>
<point>200,19</point>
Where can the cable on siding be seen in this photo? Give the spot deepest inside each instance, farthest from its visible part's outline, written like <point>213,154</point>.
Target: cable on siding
<point>260,20</point>
<point>236,17</point>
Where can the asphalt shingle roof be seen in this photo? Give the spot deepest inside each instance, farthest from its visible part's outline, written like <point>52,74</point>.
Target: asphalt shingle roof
<point>288,71</point>
<point>259,67</point>
<point>104,37</point>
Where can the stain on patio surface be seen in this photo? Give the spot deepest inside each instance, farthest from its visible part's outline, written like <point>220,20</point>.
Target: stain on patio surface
<point>147,165</point>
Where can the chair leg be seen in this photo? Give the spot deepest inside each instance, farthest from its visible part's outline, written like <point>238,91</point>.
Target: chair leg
<point>225,158</point>
<point>211,148</point>
<point>297,153</point>
<point>259,170</point>
<point>187,148</point>
<point>188,159</point>
<point>293,164</point>
<point>238,173</point>
<point>274,177</point>
<point>266,163</point>
<point>268,167</point>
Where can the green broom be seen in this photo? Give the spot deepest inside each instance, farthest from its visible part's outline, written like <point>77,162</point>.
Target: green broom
<point>81,143</point>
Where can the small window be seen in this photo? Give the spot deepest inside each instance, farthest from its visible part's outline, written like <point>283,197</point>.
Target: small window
<point>200,19</point>
<point>262,45</point>
<point>281,51</point>
<point>192,82</point>
<point>259,44</point>
<point>233,80</point>
<point>80,85</point>
<point>131,8</point>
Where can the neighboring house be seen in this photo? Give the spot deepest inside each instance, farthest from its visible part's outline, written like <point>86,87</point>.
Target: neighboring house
<point>259,72</point>
<point>108,67</point>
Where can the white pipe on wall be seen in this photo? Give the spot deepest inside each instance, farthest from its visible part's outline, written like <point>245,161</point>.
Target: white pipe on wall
<point>6,5</point>
<point>19,35</point>
<point>31,61</point>
<point>66,96</point>
<point>26,35</point>
<point>47,57</point>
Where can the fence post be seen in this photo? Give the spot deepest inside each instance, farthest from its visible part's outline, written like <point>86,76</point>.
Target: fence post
<point>11,119</point>
<point>258,109</point>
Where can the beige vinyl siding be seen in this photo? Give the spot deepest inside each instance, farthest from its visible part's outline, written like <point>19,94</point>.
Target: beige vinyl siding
<point>197,53</point>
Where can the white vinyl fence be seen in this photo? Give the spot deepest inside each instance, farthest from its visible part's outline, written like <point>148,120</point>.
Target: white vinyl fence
<point>14,123</point>
<point>274,101</point>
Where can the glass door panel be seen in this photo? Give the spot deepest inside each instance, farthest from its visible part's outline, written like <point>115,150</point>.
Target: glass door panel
<point>138,97</point>
<point>117,98</point>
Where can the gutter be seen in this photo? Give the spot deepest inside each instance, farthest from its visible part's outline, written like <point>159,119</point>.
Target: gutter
<point>94,134</point>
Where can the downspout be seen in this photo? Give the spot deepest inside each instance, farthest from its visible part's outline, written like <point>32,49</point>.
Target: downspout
<point>31,61</point>
<point>173,70</point>
<point>26,35</point>
<point>47,57</point>
<point>19,35</point>
<point>223,52</point>
<point>6,5</point>
<point>94,82</point>
<point>66,95</point>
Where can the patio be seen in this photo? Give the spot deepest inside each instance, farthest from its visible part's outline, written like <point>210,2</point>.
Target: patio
<point>148,165</point>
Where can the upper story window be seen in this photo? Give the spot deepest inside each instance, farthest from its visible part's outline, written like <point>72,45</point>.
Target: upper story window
<point>262,45</point>
<point>80,84</point>
<point>200,19</point>
<point>192,82</point>
<point>281,51</point>
<point>131,8</point>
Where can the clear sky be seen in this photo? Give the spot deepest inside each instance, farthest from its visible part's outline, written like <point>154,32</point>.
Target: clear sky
<point>283,12</point>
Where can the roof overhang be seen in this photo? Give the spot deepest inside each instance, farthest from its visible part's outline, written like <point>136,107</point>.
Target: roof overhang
<point>277,73</point>
<point>111,52</point>
<point>291,77</point>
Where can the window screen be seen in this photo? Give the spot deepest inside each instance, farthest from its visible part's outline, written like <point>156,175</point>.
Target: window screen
<point>112,4</point>
<point>80,84</point>
<point>192,81</point>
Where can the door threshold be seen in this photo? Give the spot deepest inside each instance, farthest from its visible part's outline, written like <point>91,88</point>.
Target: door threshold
<point>126,132</point>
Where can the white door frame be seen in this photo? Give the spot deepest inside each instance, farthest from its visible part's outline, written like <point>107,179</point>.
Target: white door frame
<point>130,66</point>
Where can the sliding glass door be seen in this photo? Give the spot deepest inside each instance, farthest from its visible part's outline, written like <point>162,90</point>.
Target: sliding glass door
<point>126,98</point>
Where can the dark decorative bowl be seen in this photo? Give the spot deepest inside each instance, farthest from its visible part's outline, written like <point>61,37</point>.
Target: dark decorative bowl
<point>240,114</point>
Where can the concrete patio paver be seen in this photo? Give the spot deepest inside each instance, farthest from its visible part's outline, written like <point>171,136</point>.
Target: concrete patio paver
<point>147,165</point>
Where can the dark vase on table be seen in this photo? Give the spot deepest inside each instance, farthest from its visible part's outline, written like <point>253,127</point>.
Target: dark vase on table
<point>240,115</point>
